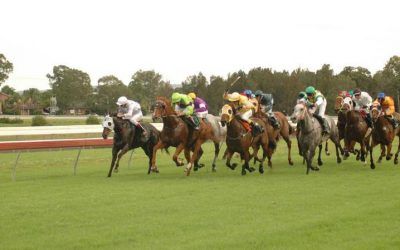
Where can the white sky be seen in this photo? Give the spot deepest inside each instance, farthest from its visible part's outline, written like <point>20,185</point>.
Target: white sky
<point>181,38</point>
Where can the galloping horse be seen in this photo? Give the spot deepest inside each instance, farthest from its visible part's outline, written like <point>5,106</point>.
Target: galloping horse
<point>239,139</point>
<point>310,136</point>
<point>285,131</point>
<point>176,133</point>
<point>355,131</point>
<point>383,133</point>
<point>127,137</point>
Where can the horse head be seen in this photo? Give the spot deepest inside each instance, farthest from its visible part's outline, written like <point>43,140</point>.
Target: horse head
<point>347,104</point>
<point>161,108</point>
<point>227,113</point>
<point>338,103</point>
<point>108,126</point>
<point>299,112</point>
<point>376,111</point>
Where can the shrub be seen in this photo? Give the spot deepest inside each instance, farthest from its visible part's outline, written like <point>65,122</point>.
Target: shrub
<point>11,121</point>
<point>92,119</point>
<point>39,120</point>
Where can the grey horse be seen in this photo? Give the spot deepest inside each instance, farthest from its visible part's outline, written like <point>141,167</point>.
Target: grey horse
<point>219,135</point>
<point>310,135</point>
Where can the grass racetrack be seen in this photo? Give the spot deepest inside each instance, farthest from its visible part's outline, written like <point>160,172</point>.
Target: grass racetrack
<point>346,206</point>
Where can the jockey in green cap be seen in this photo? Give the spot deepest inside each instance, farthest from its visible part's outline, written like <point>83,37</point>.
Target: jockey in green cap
<point>184,106</point>
<point>317,105</point>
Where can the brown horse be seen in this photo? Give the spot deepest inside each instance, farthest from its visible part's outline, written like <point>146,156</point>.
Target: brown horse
<point>239,139</point>
<point>355,131</point>
<point>383,133</point>
<point>342,105</point>
<point>284,131</point>
<point>178,134</point>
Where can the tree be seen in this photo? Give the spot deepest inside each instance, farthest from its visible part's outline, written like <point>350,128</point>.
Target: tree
<point>195,83</point>
<point>391,74</point>
<point>146,85</point>
<point>71,87</point>
<point>109,89</point>
<point>6,67</point>
<point>10,106</point>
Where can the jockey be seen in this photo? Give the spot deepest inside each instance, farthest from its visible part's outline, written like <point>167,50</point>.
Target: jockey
<point>363,102</point>
<point>252,98</point>
<point>266,104</point>
<point>183,106</point>
<point>302,97</point>
<point>130,110</point>
<point>317,105</point>
<point>200,106</point>
<point>244,107</point>
<point>387,105</point>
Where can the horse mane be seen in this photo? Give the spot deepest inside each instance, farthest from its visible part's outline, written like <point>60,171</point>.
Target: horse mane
<point>168,107</point>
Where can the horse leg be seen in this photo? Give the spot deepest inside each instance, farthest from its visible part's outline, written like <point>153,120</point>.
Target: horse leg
<point>336,141</point>
<point>147,148</point>
<point>178,150</point>
<point>396,161</point>
<point>225,154</point>
<point>120,154</point>
<point>319,155</point>
<point>383,153</point>
<point>255,153</point>
<point>216,152</point>
<point>371,159</point>
<point>196,162</point>
<point>158,146</point>
<point>389,152</point>
<point>114,158</point>
<point>363,153</point>
<point>246,156</point>
<point>289,146</point>
<point>326,149</point>
<point>228,160</point>
<point>195,155</point>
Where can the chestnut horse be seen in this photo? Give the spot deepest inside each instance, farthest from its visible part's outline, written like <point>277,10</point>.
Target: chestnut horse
<point>127,138</point>
<point>178,134</point>
<point>239,139</point>
<point>383,133</point>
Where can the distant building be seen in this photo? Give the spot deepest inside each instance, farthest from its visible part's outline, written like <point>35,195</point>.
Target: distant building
<point>3,98</point>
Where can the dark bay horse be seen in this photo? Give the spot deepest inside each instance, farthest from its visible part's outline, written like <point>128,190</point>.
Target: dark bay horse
<point>356,131</point>
<point>127,138</point>
<point>310,134</point>
<point>239,139</point>
<point>274,134</point>
<point>177,133</point>
<point>383,133</point>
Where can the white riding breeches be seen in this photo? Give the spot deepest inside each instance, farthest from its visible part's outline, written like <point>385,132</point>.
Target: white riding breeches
<point>202,114</point>
<point>321,109</point>
<point>136,118</point>
<point>246,115</point>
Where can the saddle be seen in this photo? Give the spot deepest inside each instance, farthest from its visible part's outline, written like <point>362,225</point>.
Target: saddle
<point>246,125</point>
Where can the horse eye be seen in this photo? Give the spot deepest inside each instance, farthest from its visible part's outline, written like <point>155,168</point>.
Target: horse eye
<point>109,123</point>
<point>229,111</point>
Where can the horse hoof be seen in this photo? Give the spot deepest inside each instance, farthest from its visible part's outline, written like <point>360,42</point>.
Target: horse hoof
<point>234,165</point>
<point>243,172</point>
<point>372,166</point>
<point>388,157</point>
<point>251,169</point>
<point>201,165</point>
<point>290,163</point>
<point>195,168</point>
<point>328,153</point>
<point>396,161</point>
<point>379,160</point>
<point>320,163</point>
<point>213,170</point>
<point>261,170</point>
<point>339,160</point>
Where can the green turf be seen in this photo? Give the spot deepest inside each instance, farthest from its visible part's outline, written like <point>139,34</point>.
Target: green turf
<point>347,206</point>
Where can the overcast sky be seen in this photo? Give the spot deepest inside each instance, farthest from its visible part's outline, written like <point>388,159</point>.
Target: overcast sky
<point>182,38</point>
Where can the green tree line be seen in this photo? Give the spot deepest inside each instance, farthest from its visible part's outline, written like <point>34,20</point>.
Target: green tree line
<point>74,89</point>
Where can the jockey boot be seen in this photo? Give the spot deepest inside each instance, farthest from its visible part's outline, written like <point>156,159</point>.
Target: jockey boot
<point>274,121</point>
<point>395,122</point>
<point>370,125</point>
<point>193,122</point>
<point>324,124</point>
<point>256,128</point>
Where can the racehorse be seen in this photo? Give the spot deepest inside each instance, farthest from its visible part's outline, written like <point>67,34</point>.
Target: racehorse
<point>239,139</point>
<point>176,133</point>
<point>127,137</point>
<point>310,134</point>
<point>342,105</point>
<point>355,131</point>
<point>383,133</point>
<point>285,131</point>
